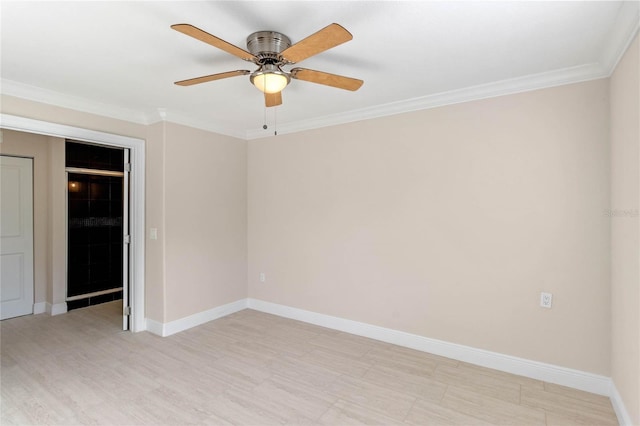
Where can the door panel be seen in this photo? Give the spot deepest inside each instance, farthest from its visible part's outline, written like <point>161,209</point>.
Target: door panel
<point>16,236</point>
<point>10,225</point>
<point>12,277</point>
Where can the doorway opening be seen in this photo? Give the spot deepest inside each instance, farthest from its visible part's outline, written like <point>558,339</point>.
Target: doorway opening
<point>134,309</point>
<point>97,225</point>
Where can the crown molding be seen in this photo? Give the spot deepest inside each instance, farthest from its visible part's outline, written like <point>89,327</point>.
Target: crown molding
<point>196,123</point>
<point>63,100</point>
<point>483,91</point>
<point>505,87</point>
<point>622,34</point>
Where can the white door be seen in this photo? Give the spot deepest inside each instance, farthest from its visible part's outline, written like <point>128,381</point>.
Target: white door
<point>16,232</point>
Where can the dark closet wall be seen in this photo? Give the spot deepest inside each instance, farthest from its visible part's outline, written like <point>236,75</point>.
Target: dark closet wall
<point>95,210</point>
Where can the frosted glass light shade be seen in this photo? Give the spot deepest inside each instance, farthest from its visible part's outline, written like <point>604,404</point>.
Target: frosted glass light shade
<point>270,83</point>
<point>270,79</point>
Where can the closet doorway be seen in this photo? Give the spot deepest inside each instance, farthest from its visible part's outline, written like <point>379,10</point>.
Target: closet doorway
<point>135,308</point>
<point>97,225</point>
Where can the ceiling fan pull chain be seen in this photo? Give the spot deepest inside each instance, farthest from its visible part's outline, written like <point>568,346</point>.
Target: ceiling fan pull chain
<point>264,126</point>
<point>275,121</point>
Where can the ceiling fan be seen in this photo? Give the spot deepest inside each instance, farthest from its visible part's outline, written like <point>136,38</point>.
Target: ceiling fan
<point>270,51</point>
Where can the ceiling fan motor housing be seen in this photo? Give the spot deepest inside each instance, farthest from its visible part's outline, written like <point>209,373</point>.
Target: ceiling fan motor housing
<point>267,46</point>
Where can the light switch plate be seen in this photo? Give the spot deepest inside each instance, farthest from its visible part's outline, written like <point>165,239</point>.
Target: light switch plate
<point>545,300</point>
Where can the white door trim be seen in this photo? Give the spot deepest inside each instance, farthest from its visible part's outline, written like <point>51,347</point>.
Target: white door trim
<point>126,242</point>
<point>137,225</point>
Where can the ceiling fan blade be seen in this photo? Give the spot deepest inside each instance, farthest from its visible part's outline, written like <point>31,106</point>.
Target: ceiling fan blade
<point>273,99</point>
<point>212,77</point>
<point>327,79</point>
<point>201,35</point>
<point>328,37</point>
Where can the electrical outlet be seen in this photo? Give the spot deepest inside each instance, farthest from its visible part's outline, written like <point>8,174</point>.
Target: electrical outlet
<point>545,300</point>
<point>263,277</point>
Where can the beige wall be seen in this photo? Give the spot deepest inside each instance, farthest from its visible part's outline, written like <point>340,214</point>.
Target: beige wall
<point>447,223</point>
<point>625,229</point>
<point>155,212</point>
<point>57,219</point>
<point>205,220</point>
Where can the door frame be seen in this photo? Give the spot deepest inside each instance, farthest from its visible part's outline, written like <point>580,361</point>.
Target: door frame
<point>136,148</point>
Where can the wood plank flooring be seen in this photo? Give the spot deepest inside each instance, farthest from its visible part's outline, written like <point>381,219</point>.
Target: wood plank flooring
<point>252,368</point>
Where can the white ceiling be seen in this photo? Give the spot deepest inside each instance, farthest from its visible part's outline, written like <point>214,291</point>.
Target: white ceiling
<point>120,58</point>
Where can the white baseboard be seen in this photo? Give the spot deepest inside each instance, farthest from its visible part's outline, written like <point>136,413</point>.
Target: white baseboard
<point>56,308</point>
<point>155,327</point>
<point>618,406</point>
<point>39,308</point>
<point>169,328</point>
<point>550,373</point>
<point>537,370</point>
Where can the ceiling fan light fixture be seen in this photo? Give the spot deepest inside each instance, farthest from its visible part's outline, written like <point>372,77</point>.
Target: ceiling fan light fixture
<point>270,79</point>
<point>271,50</point>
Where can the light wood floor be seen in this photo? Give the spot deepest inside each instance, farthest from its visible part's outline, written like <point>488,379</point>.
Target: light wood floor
<point>252,368</point>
